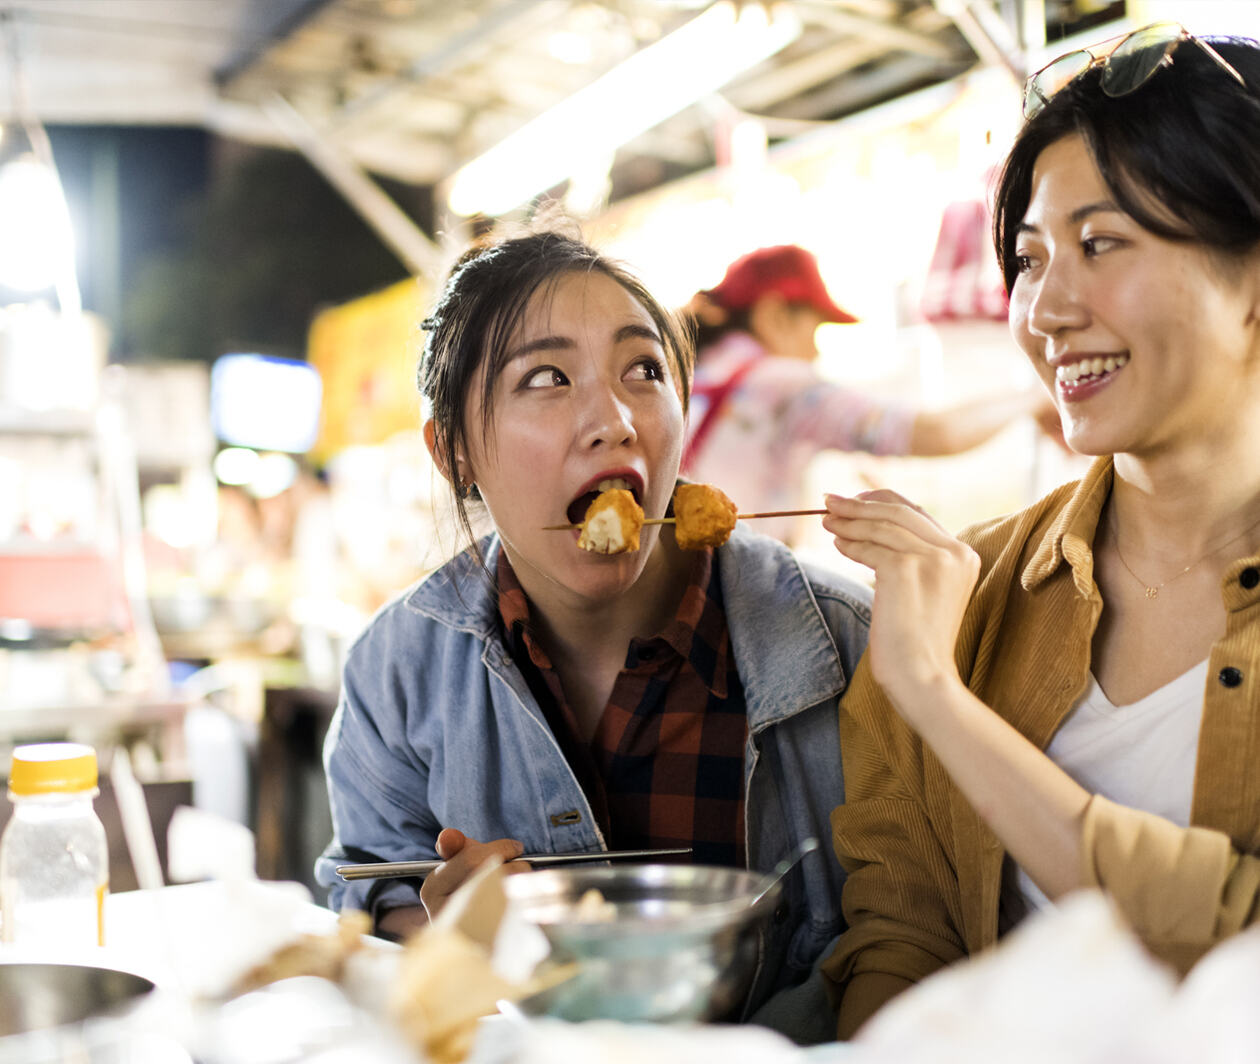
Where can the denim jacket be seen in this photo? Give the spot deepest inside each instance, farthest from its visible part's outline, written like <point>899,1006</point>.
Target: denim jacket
<point>436,728</point>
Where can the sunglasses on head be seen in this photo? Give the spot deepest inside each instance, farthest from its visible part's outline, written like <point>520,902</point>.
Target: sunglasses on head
<point>1128,62</point>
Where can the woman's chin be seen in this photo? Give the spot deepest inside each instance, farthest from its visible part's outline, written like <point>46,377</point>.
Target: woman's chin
<point>1093,441</point>
<point>603,576</point>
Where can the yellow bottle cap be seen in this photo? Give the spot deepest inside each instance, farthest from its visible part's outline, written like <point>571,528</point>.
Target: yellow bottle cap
<point>52,768</point>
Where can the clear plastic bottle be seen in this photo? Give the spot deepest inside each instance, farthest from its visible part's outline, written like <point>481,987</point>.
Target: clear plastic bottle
<point>54,862</point>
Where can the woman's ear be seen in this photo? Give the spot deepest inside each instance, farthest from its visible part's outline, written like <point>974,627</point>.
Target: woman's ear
<point>461,477</point>
<point>434,443</point>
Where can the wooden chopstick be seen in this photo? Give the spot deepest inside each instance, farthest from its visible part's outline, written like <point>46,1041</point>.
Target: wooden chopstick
<point>670,520</point>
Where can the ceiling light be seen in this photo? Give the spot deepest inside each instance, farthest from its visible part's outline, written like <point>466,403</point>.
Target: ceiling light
<point>38,241</point>
<point>236,465</point>
<point>656,82</point>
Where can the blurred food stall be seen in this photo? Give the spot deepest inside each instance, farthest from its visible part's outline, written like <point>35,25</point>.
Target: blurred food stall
<point>381,481</point>
<point>80,656</point>
<point>353,538</point>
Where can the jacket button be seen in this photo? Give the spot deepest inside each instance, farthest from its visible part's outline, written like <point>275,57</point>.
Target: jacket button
<point>781,914</point>
<point>1249,577</point>
<point>1230,676</point>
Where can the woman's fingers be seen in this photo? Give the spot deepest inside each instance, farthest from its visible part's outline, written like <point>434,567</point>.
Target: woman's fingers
<point>890,534</point>
<point>449,842</point>
<point>898,530</point>
<point>468,855</point>
<point>864,552</point>
<point>883,506</point>
<point>883,495</point>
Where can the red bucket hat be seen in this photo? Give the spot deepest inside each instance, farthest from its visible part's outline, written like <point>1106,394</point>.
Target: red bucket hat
<point>788,270</point>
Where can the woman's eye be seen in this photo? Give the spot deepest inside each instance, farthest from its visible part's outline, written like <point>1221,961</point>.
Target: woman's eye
<point>648,369</point>
<point>1023,263</point>
<point>1096,245</point>
<point>544,377</point>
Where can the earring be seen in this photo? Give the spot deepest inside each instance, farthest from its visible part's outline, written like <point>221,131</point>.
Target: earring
<point>462,487</point>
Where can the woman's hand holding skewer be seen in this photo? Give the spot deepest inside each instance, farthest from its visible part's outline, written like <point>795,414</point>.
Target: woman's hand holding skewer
<point>923,580</point>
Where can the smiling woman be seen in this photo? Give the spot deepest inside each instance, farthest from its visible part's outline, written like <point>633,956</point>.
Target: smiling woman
<point>534,696</point>
<point>1084,671</point>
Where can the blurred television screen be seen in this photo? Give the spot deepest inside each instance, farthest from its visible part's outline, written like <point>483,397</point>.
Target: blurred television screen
<point>265,402</point>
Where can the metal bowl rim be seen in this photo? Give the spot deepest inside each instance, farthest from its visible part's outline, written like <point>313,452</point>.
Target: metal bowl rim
<point>702,918</point>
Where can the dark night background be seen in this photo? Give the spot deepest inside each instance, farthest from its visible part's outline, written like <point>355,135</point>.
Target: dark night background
<point>192,246</point>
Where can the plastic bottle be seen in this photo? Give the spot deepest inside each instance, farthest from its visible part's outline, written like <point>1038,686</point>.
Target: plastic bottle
<point>54,862</point>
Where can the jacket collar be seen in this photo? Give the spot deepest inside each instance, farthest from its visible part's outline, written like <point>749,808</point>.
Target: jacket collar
<point>1071,535</point>
<point>785,653</point>
<point>460,594</point>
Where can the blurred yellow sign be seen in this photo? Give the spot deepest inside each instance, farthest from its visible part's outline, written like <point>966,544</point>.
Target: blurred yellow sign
<point>367,352</point>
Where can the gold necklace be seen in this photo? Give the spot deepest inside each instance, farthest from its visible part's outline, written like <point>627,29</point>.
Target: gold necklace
<point>1153,592</point>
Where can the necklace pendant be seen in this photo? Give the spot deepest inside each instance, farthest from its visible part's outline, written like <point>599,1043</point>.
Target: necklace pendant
<point>1152,592</point>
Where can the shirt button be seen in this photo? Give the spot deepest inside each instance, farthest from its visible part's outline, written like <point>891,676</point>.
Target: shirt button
<point>1230,676</point>
<point>1249,577</point>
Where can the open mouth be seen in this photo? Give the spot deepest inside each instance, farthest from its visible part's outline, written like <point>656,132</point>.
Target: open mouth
<point>1088,371</point>
<point>578,507</point>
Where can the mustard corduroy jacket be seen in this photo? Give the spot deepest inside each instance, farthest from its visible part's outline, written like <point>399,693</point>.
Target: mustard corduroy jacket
<point>925,875</point>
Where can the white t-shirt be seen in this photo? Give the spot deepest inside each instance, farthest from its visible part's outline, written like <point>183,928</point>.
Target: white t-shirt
<point>1140,755</point>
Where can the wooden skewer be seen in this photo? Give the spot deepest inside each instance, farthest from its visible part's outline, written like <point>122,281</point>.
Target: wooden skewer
<point>782,513</point>
<point>670,520</point>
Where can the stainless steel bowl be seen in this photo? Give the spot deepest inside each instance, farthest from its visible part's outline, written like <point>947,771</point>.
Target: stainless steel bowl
<point>57,1012</point>
<point>680,942</point>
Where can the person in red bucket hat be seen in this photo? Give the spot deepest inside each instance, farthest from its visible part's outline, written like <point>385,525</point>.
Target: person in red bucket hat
<point>786,269</point>
<point>760,410</point>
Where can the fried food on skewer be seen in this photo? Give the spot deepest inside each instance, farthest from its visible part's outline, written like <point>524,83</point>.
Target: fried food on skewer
<point>612,523</point>
<point>703,516</point>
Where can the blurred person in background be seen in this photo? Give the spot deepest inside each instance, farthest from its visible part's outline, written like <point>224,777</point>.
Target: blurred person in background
<point>1069,696</point>
<point>531,696</point>
<point>761,410</point>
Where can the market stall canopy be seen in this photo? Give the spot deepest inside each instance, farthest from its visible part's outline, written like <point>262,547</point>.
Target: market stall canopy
<point>414,89</point>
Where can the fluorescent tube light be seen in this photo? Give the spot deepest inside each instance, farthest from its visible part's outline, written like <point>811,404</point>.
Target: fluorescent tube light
<point>38,245</point>
<point>650,86</point>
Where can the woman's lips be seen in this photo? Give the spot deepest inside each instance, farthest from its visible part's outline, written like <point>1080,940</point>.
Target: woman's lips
<point>1079,380</point>
<point>578,507</point>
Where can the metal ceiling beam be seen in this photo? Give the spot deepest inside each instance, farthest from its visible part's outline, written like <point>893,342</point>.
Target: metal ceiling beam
<point>876,9</point>
<point>850,93</point>
<point>878,31</point>
<point>403,237</point>
<point>788,80</point>
<point>454,49</point>
<point>286,17</point>
<point>987,34</point>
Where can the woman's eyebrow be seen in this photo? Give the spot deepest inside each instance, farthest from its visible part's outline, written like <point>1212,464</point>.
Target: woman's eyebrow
<point>1075,217</point>
<point>637,332</point>
<point>1102,206</point>
<point>562,343</point>
<point>543,343</point>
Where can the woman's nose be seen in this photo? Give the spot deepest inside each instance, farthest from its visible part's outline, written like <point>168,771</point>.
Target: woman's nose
<point>1052,302</point>
<point>606,419</point>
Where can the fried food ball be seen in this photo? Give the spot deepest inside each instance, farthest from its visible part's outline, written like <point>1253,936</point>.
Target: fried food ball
<point>703,516</point>
<point>612,523</point>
